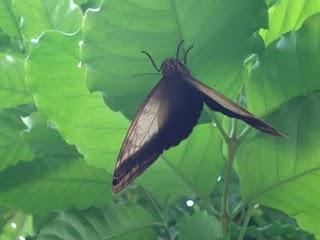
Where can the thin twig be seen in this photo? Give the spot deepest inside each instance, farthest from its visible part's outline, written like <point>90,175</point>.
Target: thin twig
<point>244,133</point>
<point>246,222</point>
<point>209,207</point>
<point>237,209</point>
<point>225,218</point>
<point>220,128</point>
<point>158,211</point>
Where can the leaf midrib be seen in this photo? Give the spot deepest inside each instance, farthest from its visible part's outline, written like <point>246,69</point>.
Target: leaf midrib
<point>278,184</point>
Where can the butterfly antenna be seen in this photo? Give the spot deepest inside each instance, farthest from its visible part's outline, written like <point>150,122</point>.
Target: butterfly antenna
<point>186,54</point>
<point>178,49</point>
<point>152,61</point>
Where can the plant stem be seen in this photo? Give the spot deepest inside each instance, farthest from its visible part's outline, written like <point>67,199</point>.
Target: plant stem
<point>246,222</point>
<point>224,217</point>
<point>237,209</point>
<point>220,128</point>
<point>158,211</point>
<point>209,207</point>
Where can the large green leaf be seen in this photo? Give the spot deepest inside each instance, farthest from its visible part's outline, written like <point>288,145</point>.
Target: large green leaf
<point>12,146</point>
<point>85,4</point>
<point>199,226</point>
<point>53,183</point>
<point>288,15</point>
<point>284,173</point>
<point>57,179</point>
<point>44,140</point>
<point>116,221</point>
<point>115,35</point>
<point>41,15</point>
<point>13,90</point>
<point>58,85</point>
<point>190,168</point>
<point>289,68</point>
<point>8,21</point>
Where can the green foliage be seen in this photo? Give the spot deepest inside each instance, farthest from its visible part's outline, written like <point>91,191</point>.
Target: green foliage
<point>288,15</point>
<point>13,89</point>
<point>292,164</point>
<point>115,221</point>
<point>41,15</point>
<point>291,61</point>
<point>13,148</point>
<point>201,226</point>
<point>8,20</point>
<point>72,78</point>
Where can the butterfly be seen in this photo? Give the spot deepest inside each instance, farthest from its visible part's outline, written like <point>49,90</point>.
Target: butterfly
<point>168,115</point>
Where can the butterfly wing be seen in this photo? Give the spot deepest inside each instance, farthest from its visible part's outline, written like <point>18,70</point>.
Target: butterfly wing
<point>166,117</point>
<point>218,102</point>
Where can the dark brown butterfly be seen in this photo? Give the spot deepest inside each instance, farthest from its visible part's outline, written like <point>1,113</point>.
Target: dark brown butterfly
<point>168,115</point>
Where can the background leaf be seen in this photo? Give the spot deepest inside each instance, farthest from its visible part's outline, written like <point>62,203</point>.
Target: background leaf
<point>56,178</point>
<point>13,89</point>
<point>81,117</point>
<point>115,221</point>
<point>53,183</point>
<point>283,173</point>
<point>114,37</point>
<point>288,15</point>
<point>287,69</point>
<point>199,226</point>
<point>12,146</point>
<point>41,15</point>
<point>8,20</point>
<point>192,167</point>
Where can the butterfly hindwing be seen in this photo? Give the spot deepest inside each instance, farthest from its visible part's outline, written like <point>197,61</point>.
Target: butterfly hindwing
<point>166,117</point>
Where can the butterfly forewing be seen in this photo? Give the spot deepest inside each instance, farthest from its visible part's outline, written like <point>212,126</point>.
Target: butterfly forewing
<point>218,102</point>
<point>144,126</point>
<point>166,117</point>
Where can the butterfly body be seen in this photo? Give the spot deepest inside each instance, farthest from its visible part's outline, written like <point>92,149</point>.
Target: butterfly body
<point>173,69</point>
<point>167,116</point>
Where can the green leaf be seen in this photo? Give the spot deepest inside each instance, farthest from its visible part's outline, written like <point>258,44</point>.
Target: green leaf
<point>284,173</point>
<point>288,15</point>
<point>86,4</point>
<point>115,221</point>
<point>8,21</point>
<point>289,68</point>
<point>58,174</point>
<point>115,35</point>
<point>17,224</point>
<point>41,15</point>
<point>192,167</point>
<point>80,2</point>
<point>276,229</point>
<point>53,183</point>
<point>58,85</point>
<point>45,140</point>
<point>199,226</point>
<point>12,147</point>
<point>13,90</point>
